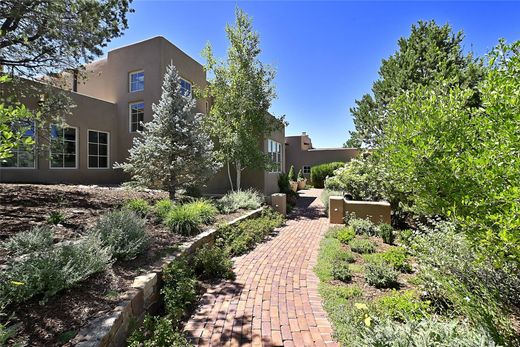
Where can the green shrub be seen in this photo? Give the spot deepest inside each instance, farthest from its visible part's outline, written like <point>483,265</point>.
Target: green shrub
<point>56,217</point>
<point>138,206</point>
<point>183,220</point>
<point>341,271</point>
<point>239,238</point>
<point>157,332</point>
<point>162,208</point>
<point>401,305</point>
<point>362,246</point>
<point>395,256</point>
<point>346,234</point>
<point>331,291</point>
<point>331,251</point>
<point>301,177</point>
<point>123,232</point>
<point>37,239</point>
<point>406,237</point>
<point>320,172</point>
<point>325,196</point>
<point>386,232</point>
<point>52,270</point>
<point>363,226</point>
<point>381,275</point>
<point>283,183</point>
<point>204,209</point>
<point>242,199</point>
<point>179,289</point>
<point>212,263</point>
<point>291,174</point>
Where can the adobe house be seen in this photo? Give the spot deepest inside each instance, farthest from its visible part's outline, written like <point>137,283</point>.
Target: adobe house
<point>116,95</point>
<point>300,153</point>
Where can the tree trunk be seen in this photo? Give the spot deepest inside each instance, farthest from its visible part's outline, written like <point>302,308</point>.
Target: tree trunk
<point>172,186</point>
<point>239,174</point>
<point>229,176</point>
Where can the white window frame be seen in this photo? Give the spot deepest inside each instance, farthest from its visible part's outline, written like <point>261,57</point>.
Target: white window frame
<point>277,147</point>
<point>76,154</point>
<point>191,86</point>
<point>304,171</point>
<point>130,81</point>
<point>130,116</point>
<point>33,167</point>
<point>108,150</point>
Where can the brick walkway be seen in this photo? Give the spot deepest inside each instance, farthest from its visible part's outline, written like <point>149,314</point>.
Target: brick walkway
<point>274,300</point>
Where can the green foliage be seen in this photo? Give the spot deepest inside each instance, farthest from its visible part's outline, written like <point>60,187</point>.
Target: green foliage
<point>386,232</point>
<point>52,270</point>
<point>333,292</point>
<point>381,275</point>
<point>55,217</point>
<point>242,91</point>
<point>362,246</point>
<point>301,177</point>
<point>157,332</point>
<point>401,305</point>
<point>174,152</point>
<point>37,239</point>
<point>341,271</point>
<point>395,256</point>
<point>7,330</point>
<point>320,172</point>
<point>331,253</point>
<point>241,199</point>
<point>240,237</point>
<point>162,208</point>
<point>211,263</point>
<point>186,219</point>
<point>363,226</point>
<point>138,206</point>
<point>283,183</point>
<point>345,235</point>
<point>123,232</point>
<point>179,290</point>
<point>204,209</point>
<point>326,194</point>
<point>292,174</point>
<point>429,54</point>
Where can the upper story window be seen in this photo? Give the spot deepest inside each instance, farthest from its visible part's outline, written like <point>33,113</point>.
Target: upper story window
<point>274,151</point>
<point>64,147</point>
<point>136,81</point>
<point>136,110</point>
<point>98,142</point>
<point>23,156</point>
<point>306,169</point>
<point>185,87</point>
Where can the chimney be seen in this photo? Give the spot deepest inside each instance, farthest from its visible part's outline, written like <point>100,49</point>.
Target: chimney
<point>75,80</point>
<point>304,133</point>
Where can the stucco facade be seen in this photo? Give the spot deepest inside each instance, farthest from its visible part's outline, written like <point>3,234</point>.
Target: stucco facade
<point>302,155</point>
<point>104,99</point>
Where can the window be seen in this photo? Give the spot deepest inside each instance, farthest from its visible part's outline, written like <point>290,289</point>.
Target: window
<point>98,142</point>
<point>306,169</point>
<point>274,151</point>
<point>64,147</point>
<point>185,87</point>
<point>23,155</point>
<point>136,116</point>
<point>136,81</point>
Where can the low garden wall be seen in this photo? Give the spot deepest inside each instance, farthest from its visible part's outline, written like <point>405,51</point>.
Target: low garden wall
<point>375,211</point>
<point>113,329</point>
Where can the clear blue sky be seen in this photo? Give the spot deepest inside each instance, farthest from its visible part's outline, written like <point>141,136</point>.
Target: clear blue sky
<point>326,54</point>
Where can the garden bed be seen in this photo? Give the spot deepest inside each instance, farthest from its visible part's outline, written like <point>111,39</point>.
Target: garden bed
<point>57,319</point>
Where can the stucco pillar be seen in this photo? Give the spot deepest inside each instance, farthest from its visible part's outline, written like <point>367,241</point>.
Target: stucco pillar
<point>279,203</point>
<point>336,210</point>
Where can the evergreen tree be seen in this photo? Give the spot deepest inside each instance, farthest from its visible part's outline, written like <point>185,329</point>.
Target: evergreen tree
<point>241,92</point>
<point>431,53</point>
<point>173,152</point>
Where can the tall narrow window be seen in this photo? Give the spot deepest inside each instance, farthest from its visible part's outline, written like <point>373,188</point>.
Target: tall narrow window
<point>185,87</point>
<point>274,151</point>
<point>22,155</point>
<point>136,116</point>
<point>136,81</point>
<point>64,147</point>
<point>98,149</point>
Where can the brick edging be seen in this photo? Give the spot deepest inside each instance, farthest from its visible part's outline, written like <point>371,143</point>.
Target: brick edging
<point>112,330</point>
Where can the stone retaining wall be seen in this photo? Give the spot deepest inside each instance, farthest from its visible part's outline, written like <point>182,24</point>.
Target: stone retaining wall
<point>113,329</point>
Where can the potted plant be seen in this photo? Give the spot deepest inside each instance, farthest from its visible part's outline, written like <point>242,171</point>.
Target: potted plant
<point>302,181</point>
<point>292,179</point>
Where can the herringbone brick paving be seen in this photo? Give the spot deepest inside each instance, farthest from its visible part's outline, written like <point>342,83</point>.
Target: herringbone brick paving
<point>274,300</point>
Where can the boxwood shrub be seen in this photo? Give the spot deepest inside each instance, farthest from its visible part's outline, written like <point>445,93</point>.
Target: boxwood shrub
<point>320,172</point>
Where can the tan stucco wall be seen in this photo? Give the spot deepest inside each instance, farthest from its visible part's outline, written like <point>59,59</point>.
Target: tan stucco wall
<point>299,152</point>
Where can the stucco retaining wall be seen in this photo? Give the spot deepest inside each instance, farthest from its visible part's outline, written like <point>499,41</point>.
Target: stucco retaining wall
<point>113,329</point>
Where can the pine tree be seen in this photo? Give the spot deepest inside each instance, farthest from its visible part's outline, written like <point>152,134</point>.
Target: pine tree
<point>173,152</point>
